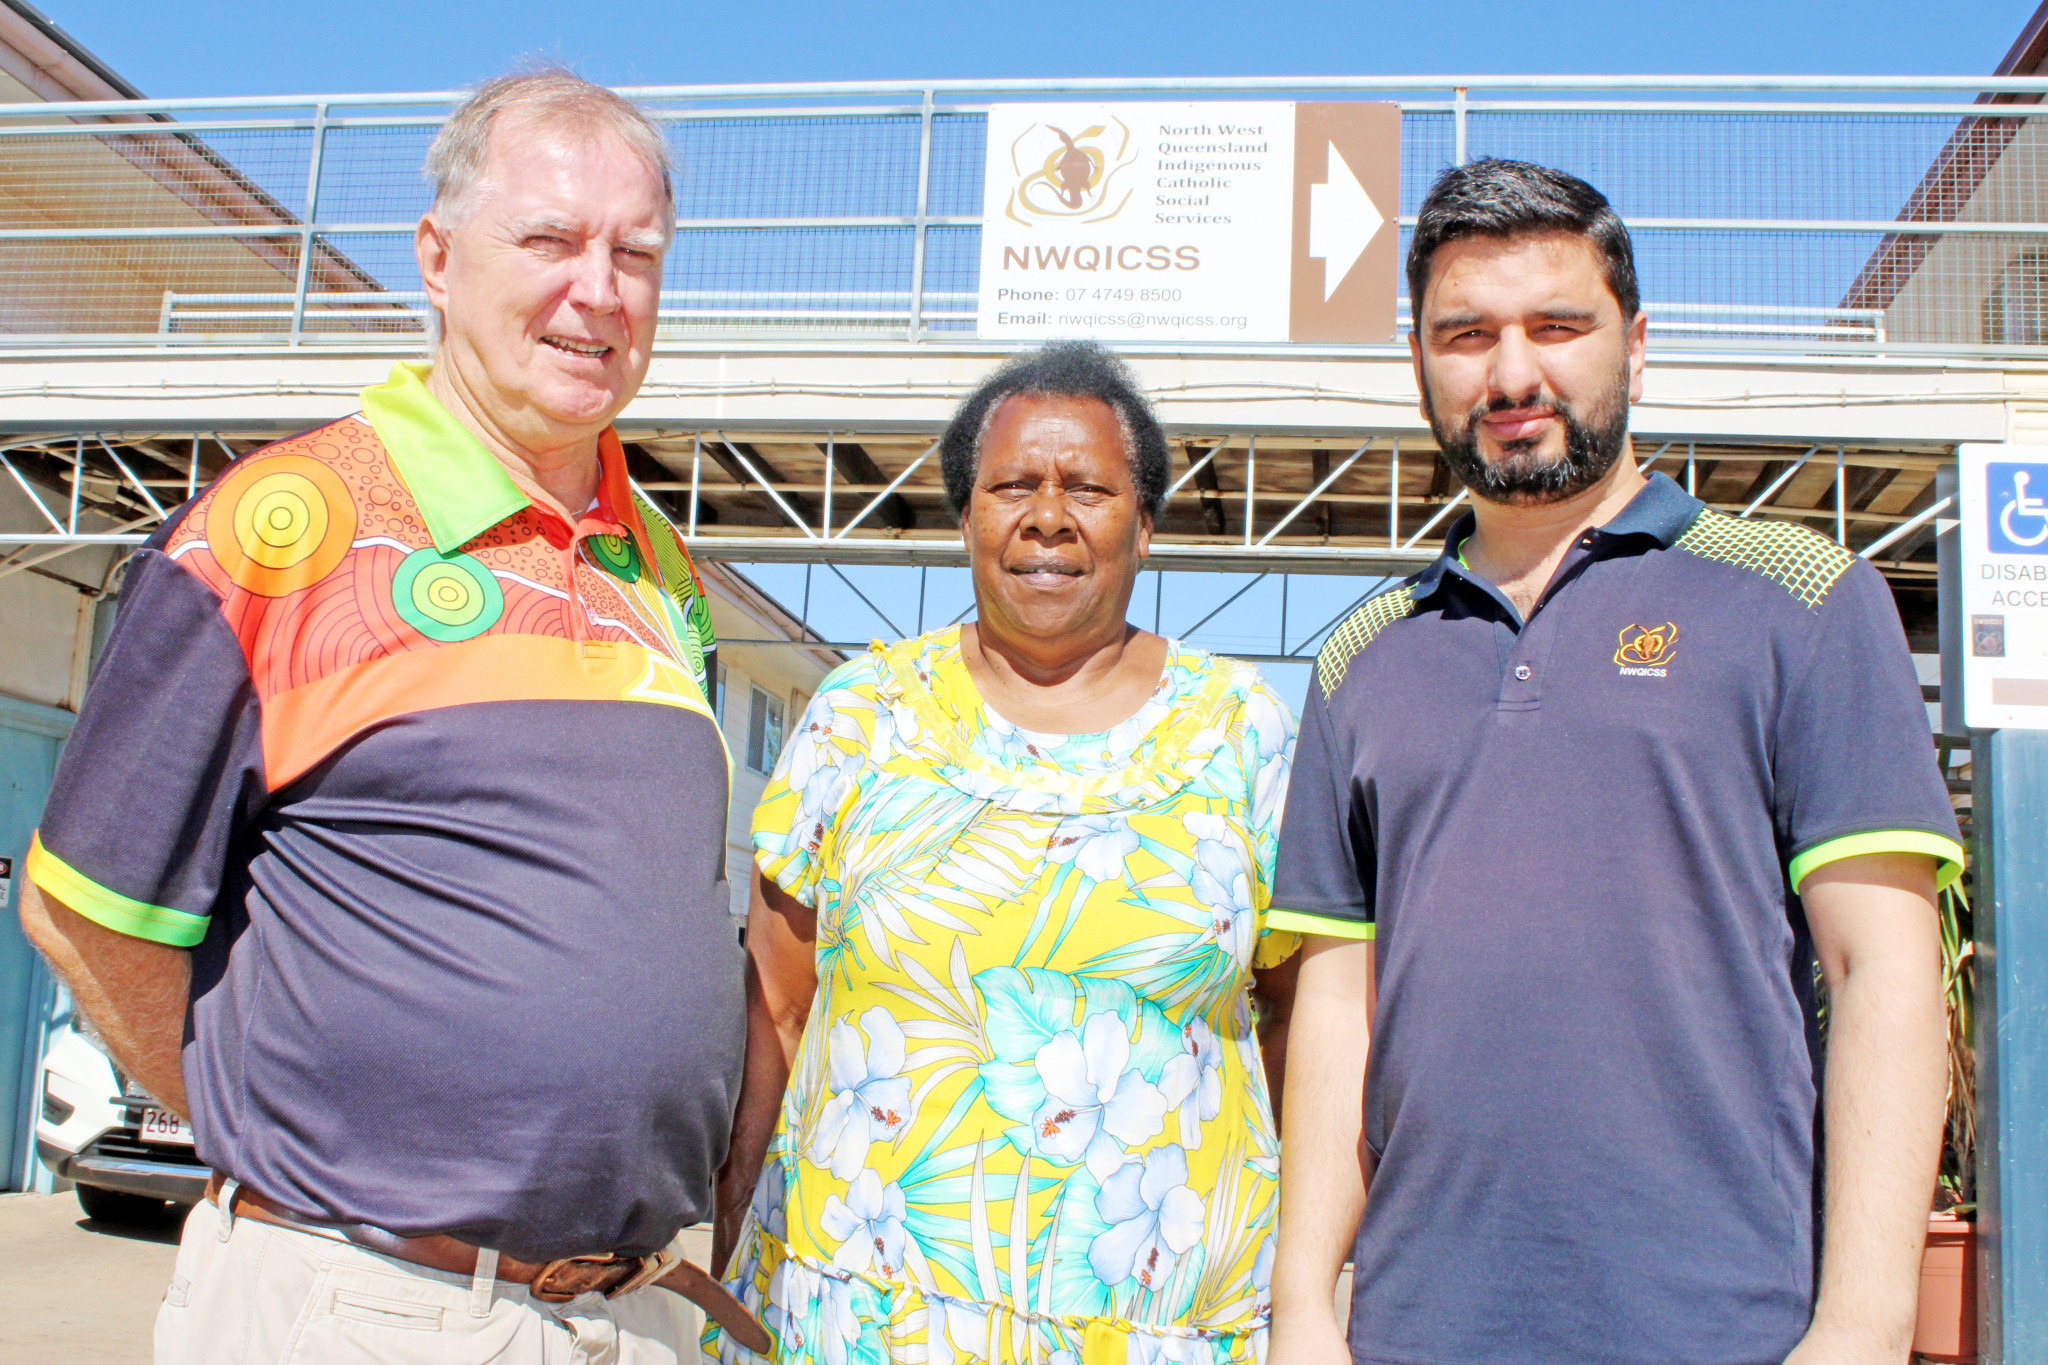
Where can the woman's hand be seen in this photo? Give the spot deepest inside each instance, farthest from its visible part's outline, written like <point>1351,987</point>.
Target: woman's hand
<point>728,1216</point>
<point>1273,992</point>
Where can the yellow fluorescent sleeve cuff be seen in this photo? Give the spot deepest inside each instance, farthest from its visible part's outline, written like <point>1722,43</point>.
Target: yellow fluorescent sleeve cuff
<point>1947,852</point>
<point>110,909</point>
<point>1301,922</point>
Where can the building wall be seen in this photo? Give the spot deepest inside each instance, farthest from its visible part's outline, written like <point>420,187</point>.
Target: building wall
<point>787,673</point>
<point>46,625</point>
<point>39,633</point>
<point>1945,298</point>
<point>46,613</point>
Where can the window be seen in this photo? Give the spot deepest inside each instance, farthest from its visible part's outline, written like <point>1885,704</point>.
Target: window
<point>764,732</point>
<point>718,696</point>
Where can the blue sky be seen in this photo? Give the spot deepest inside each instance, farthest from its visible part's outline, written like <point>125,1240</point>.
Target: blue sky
<point>253,47</point>
<point>238,47</point>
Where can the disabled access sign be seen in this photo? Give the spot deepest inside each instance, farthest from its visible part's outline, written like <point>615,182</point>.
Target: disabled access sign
<point>2003,508</point>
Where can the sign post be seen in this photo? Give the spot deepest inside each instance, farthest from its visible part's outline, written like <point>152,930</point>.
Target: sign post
<point>1197,222</point>
<point>2003,609</point>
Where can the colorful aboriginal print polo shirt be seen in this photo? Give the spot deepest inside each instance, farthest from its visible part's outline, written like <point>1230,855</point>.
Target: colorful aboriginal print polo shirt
<point>426,779</point>
<point>1578,841</point>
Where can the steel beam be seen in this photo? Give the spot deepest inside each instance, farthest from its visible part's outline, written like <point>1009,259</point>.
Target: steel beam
<point>950,553</point>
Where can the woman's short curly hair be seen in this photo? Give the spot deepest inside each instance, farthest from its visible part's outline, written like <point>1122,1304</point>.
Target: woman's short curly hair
<point>1063,369</point>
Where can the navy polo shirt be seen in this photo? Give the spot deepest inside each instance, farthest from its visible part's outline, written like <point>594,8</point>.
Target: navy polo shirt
<point>1577,841</point>
<point>424,776</point>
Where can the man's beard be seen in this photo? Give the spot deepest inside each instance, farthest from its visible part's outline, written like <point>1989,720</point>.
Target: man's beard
<point>1593,441</point>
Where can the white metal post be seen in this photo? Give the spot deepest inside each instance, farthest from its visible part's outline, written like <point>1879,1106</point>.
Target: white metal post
<point>1394,498</point>
<point>305,271</point>
<point>1251,483</point>
<point>924,189</point>
<point>1842,510</point>
<point>696,477</point>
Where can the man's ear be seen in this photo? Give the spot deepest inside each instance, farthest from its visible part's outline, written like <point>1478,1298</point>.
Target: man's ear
<point>430,249</point>
<point>1421,385</point>
<point>1638,342</point>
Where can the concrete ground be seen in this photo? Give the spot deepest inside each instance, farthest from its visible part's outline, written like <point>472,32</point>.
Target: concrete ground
<point>83,1292</point>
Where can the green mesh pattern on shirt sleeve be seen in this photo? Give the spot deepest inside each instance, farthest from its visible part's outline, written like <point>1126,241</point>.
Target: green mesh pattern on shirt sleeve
<point>1802,562</point>
<point>1357,632</point>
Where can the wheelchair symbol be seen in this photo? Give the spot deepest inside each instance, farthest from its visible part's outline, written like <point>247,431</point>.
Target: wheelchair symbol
<point>2016,506</point>
<point>2024,506</point>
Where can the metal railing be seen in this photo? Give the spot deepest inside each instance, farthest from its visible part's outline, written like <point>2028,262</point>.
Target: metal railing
<point>1815,214</point>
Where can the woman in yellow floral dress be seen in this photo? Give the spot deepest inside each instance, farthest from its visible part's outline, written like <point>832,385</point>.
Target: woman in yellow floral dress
<point>1004,1096</point>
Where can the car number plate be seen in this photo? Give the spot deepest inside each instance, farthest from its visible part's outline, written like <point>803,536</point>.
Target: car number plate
<point>160,1125</point>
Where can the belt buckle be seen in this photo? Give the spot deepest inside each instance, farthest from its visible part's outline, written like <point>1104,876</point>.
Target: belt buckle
<point>585,1274</point>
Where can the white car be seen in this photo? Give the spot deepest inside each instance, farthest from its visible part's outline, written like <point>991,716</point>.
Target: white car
<point>102,1131</point>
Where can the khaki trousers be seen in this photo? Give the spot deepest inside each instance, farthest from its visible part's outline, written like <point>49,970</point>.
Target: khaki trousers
<point>251,1293</point>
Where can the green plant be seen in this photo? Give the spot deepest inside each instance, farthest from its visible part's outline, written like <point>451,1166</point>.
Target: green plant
<point>1957,1188</point>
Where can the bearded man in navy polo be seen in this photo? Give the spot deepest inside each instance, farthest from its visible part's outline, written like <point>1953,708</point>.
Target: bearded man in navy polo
<point>1578,814</point>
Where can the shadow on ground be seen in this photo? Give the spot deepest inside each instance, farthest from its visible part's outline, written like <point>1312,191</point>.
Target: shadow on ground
<point>160,1227</point>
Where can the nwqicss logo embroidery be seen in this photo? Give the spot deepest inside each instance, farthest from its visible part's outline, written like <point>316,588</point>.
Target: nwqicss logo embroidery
<point>1645,650</point>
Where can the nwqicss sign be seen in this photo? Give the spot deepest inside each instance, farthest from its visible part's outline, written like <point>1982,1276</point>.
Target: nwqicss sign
<point>1191,222</point>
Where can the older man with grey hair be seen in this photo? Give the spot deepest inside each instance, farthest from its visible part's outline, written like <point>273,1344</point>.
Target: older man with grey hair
<point>388,847</point>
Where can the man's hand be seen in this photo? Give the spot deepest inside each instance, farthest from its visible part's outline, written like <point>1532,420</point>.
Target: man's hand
<point>135,992</point>
<point>1306,1337</point>
<point>1831,1345</point>
<point>1875,928</point>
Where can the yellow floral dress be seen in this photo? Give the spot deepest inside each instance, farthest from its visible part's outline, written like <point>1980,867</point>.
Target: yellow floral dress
<point>1027,1121</point>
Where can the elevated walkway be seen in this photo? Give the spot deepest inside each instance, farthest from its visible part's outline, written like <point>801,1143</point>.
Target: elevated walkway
<point>1845,279</point>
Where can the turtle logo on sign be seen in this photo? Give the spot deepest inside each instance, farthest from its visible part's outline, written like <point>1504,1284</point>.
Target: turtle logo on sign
<point>1987,637</point>
<point>1070,176</point>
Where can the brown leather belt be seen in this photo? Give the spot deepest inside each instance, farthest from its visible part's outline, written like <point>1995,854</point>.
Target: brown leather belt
<point>550,1281</point>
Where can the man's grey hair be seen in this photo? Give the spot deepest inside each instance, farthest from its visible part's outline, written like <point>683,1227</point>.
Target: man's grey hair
<point>458,161</point>
<point>551,97</point>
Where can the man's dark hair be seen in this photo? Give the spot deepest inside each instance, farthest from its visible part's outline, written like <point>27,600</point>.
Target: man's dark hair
<point>1059,369</point>
<point>1497,198</point>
